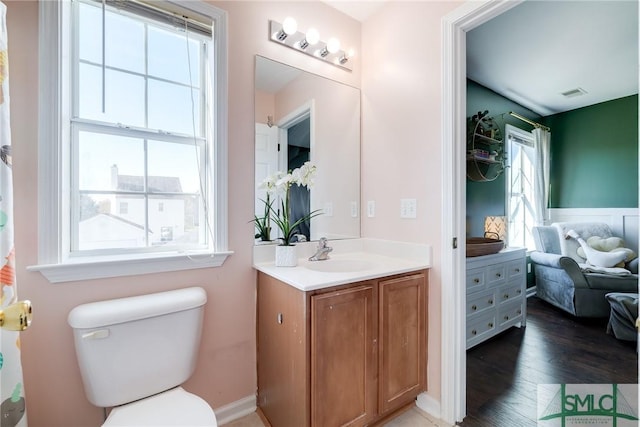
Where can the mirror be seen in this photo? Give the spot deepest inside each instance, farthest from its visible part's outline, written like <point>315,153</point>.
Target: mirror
<point>310,118</point>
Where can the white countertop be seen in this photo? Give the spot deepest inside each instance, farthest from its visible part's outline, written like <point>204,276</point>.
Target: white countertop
<point>352,261</point>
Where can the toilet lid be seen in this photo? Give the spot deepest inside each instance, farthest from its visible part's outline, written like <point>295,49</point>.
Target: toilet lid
<point>175,407</point>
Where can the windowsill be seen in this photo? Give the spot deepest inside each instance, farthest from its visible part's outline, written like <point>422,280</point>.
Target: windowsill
<point>104,267</point>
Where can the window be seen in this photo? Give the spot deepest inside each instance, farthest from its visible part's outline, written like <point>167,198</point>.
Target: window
<point>520,187</point>
<point>141,137</point>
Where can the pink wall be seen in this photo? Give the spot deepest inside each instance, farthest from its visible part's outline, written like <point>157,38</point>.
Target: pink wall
<point>226,368</point>
<point>397,67</point>
<point>401,86</point>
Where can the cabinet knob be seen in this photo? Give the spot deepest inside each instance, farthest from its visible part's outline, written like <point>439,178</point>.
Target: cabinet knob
<point>517,270</point>
<point>474,307</point>
<point>498,274</point>
<point>476,280</point>
<point>506,317</point>
<point>519,311</point>
<point>506,296</point>
<point>490,301</point>
<point>279,318</point>
<point>491,324</point>
<point>519,291</point>
<point>474,332</point>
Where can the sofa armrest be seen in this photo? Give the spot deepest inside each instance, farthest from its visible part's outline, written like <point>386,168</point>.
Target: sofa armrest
<point>632,266</point>
<point>562,262</point>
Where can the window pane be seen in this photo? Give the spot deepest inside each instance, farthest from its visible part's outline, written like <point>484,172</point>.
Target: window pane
<point>177,223</point>
<point>168,57</point>
<point>110,162</point>
<point>124,42</point>
<point>124,95</point>
<point>173,168</point>
<point>90,33</point>
<point>171,108</point>
<point>102,226</point>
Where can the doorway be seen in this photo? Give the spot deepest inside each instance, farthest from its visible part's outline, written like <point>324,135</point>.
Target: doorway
<point>453,370</point>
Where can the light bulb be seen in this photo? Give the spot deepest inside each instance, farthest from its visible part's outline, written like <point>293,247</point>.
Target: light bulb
<point>351,53</point>
<point>289,25</point>
<point>312,36</point>
<point>333,45</point>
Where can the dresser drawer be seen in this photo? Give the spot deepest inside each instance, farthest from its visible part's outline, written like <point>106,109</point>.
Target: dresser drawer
<point>480,327</point>
<point>477,303</point>
<point>496,274</point>
<point>475,279</point>
<point>511,313</point>
<point>509,292</point>
<point>515,268</point>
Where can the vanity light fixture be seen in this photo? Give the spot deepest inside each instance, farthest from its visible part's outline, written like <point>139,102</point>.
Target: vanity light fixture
<point>310,39</point>
<point>287,34</point>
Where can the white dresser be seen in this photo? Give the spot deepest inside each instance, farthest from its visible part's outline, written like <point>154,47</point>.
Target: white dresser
<point>496,294</point>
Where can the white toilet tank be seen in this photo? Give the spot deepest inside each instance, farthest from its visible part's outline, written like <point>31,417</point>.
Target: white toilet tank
<point>131,348</point>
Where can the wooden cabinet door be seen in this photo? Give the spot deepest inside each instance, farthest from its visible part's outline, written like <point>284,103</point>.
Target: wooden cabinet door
<point>343,349</point>
<point>283,351</point>
<point>403,338</point>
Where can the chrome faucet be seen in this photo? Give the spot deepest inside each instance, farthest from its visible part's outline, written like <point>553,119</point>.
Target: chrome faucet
<point>322,253</point>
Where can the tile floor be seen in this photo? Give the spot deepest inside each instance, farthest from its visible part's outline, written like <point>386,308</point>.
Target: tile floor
<point>414,417</point>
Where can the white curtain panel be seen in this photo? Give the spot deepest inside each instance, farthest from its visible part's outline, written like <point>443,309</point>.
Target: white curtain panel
<point>542,141</point>
<point>13,404</point>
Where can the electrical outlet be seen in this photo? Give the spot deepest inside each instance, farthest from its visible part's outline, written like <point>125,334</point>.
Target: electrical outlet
<point>354,209</point>
<point>371,208</point>
<point>408,208</point>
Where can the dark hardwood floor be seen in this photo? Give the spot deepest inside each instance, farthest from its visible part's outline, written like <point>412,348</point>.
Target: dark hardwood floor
<point>554,348</point>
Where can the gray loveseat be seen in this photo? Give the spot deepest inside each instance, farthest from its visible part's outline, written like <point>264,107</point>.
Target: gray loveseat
<point>563,283</point>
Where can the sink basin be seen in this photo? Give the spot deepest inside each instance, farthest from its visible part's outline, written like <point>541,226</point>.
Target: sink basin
<point>339,265</point>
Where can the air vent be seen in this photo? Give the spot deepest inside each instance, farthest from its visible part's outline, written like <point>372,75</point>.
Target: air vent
<point>574,92</point>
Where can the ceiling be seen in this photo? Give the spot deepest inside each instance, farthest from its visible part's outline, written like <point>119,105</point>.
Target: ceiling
<point>540,49</point>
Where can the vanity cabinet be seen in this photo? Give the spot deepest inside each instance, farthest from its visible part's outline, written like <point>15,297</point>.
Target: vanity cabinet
<point>496,294</point>
<point>346,355</point>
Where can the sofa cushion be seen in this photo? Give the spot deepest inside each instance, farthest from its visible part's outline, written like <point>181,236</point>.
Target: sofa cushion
<point>569,247</point>
<point>611,244</point>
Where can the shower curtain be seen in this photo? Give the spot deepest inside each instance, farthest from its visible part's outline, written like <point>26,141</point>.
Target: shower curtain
<point>13,405</point>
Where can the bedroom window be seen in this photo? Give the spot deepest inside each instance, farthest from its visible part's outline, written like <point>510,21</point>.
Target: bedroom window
<point>521,166</point>
<point>141,137</point>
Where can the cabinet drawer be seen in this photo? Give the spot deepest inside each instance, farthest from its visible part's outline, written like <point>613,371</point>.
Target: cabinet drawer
<point>483,325</point>
<point>475,279</point>
<point>515,268</point>
<point>510,313</point>
<point>496,274</point>
<point>477,303</point>
<point>509,292</point>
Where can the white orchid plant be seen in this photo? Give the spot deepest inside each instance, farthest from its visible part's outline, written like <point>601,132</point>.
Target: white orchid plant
<point>279,184</point>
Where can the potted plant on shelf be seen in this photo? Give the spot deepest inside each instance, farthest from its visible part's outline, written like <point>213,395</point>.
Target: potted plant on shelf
<point>280,184</point>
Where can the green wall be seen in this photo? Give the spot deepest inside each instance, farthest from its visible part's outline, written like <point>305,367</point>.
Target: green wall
<point>594,155</point>
<point>488,198</point>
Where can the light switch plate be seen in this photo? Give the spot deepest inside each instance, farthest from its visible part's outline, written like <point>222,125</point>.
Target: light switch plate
<point>371,208</point>
<point>354,209</point>
<point>408,208</point>
<point>328,209</point>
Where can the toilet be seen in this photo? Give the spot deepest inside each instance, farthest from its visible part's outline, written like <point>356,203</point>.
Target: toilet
<point>134,353</point>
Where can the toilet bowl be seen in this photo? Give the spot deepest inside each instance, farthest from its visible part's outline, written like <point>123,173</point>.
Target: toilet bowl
<point>135,353</point>
<point>175,407</point>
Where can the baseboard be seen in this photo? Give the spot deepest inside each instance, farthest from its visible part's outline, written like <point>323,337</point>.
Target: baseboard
<point>234,410</point>
<point>429,405</point>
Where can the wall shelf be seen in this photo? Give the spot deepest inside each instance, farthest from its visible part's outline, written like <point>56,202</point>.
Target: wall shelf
<point>485,148</point>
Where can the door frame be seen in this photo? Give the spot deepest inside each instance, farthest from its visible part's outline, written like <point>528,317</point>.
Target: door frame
<point>453,367</point>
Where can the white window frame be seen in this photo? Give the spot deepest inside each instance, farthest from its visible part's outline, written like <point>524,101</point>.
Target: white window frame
<point>525,136</point>
<point>53,150</point>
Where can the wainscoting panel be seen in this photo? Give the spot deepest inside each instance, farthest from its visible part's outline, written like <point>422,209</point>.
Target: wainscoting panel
<point>623,221</point>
